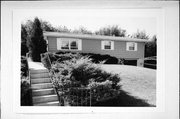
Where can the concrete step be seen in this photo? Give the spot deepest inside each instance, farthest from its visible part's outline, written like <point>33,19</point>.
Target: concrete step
<point>44,99</point>
<point>41,86</point>
<point>33,71</point>
<point>55,103</point>
<point>39,75</point>
<point>40,80</point>
<point>42,92</point>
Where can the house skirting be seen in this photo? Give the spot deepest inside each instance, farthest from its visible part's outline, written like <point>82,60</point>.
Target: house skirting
<point>135,62</point>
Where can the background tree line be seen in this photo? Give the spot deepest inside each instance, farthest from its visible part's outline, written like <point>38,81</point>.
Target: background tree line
<point>32,40</point>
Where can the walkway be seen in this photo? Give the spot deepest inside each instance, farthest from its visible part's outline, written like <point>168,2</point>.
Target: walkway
<point>36,66</point>
<point>43,93</point>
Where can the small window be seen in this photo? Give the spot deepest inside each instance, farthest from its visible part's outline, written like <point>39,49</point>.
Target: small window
<point>107,45</point>
<point>131,46</point>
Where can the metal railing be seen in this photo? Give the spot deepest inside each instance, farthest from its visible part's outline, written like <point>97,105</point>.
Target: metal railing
<point>51,76</point>
<point>151,65</point>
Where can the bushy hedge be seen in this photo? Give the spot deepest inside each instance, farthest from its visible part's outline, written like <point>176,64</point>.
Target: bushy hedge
<point>50,58</point>
<point>96,58</point>
<point>77,75</point>
<point>24,66</point>
<point>25,84</point>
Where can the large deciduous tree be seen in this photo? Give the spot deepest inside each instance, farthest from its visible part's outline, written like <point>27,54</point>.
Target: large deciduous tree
<point>46,26</point>
<point>150,47</point>
<point>140,35</point>
<point>82,30</point>
<point>114,30</point>
<point>36,42</point>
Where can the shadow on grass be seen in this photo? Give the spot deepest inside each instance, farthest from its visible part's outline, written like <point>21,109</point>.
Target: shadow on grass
<point>123,100</point>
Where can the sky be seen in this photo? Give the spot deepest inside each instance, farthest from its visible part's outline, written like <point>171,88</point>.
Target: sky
<point>130,20</point>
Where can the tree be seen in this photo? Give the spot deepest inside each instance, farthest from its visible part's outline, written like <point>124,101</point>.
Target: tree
<point>151,47</point>
<point>46,26</point>
<point>28,26</point>
<point>114,30</point>
<point>24,35</point>
<point>140,35</point>
<point>63,29</point>
<point>82,30</point>
<point>36,42</point>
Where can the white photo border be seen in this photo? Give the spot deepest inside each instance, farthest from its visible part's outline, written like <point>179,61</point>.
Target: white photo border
<point>156,13</point>
<point>168,61</point>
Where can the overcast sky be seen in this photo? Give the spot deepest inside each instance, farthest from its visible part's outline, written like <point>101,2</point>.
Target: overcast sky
<point>93,19</point>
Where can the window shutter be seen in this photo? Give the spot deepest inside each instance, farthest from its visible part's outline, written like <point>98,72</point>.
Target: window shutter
<point>79,44</point>
<point>127,46</point>
<point>112,45</point>
<point>59,44</point>
<point>136,46</point>
<point>102,45</point>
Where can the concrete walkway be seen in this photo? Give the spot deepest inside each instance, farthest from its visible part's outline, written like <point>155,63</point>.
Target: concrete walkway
<point>43,93</point>
<point>36,65</point>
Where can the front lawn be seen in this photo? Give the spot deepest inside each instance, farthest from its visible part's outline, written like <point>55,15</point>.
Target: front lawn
<point>110,85</point>
<point>136,82</point>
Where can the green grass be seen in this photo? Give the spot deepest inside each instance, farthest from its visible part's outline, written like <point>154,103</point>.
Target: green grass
<point>138,85</point>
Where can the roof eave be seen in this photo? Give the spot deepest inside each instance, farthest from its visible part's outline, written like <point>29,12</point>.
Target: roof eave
<point>84,36</point>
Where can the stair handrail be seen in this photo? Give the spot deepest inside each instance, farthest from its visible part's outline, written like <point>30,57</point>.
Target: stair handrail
<point>61,100</point>
<point>56,90</point>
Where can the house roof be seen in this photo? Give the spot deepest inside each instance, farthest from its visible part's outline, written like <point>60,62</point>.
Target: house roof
<point>95,37</point>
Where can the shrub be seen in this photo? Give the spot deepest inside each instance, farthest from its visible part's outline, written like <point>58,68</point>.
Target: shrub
<point>49,58</point>
<point>25,91</point>
<point>24,67</point>
<point>96,58</point>
<point>25,84</point>
<point>76,75</point>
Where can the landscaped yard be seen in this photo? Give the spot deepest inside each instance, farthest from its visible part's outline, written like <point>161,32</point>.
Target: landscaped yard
<point>123,85</point>
<point>137,82</point>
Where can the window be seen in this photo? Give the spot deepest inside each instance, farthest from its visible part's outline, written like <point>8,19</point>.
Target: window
<point>65,44</point>
<point>131,46</point>
<point>69,44</point>
<point>107,45</point>
<point>74,45</point>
